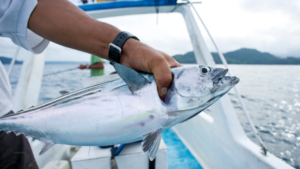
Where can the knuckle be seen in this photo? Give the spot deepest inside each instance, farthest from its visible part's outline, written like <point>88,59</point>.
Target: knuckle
<point>156,60</point>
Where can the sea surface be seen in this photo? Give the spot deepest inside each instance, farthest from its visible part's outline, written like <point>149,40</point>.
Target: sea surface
<point>271,94</point>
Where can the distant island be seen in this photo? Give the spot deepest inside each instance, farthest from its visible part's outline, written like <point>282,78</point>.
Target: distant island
<point>6,60</point>
<point>243,56</point>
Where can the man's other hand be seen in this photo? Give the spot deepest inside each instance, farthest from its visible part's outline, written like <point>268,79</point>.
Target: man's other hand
<point>82,67</point>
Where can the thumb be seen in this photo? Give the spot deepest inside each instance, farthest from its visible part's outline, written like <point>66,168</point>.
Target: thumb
<point>163,75</point>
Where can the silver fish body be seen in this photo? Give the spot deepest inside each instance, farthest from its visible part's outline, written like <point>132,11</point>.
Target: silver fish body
<point>116,112</point>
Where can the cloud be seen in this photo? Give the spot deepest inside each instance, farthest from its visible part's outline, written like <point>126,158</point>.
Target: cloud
<point>290,7</point>
<point>269,26</point>
<point>169,35</point>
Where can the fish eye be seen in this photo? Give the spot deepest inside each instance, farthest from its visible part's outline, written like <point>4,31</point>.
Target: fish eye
<point>205,70</point>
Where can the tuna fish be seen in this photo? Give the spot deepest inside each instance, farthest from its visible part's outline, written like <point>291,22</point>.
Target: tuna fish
<point>122,111</point>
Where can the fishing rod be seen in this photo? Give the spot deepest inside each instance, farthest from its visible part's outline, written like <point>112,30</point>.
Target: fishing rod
<point>64,71</point>
<point>51,74</point>
<point>60,72</point>
<point>56,72</point>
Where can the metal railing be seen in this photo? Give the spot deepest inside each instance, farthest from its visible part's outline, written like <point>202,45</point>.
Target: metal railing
<point>257,135</point>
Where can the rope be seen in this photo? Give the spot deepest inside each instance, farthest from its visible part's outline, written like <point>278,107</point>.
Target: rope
<point>257,135</point>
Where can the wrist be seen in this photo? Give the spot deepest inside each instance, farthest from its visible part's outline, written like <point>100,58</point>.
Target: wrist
<point>117,46</point>
<point>128,50</point>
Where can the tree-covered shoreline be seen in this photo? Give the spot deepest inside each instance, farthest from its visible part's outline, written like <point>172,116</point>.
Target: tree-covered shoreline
<point>243,56</point>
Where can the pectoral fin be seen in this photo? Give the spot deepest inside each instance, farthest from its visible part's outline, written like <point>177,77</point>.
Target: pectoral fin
<point>134,80</point>
<point>151,143</point>
<point>46,147</point>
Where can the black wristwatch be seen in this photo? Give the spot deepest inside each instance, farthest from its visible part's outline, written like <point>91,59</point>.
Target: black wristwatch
<point>115,48</point>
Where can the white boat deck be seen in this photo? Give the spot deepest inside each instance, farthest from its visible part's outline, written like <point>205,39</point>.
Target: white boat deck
<point>130,157</point>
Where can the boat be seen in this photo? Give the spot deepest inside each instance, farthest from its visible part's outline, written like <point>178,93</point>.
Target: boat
<point>215,140</point>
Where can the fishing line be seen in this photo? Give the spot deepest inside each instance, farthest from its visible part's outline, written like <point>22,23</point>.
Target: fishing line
<point>59,72</point>
<point>50,74</point>
<point>56,73</point>
<point>64,71</point>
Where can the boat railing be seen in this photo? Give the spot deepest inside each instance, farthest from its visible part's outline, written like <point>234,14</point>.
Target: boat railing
<point>238,95</point>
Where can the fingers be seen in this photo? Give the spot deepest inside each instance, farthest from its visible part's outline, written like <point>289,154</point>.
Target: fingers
<point>172,62</point>
<point>162,73</point>
<point>141,57</point>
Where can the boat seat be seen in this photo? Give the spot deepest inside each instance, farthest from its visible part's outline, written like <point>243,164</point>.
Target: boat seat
<point>130,157</point>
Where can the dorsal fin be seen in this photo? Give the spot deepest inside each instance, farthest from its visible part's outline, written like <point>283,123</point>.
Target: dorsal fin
<point>151,143</point>
<point>134,80</point>
<point>63,92</point>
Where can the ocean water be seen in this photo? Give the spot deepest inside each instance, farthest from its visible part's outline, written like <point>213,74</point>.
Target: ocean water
<point>271,94</point>
<point>272,97</point>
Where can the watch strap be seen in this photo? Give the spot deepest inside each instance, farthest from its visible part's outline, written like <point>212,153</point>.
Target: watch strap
<point>115,48</point>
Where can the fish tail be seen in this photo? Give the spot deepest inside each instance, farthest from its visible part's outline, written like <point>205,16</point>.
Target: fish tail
<point>3,124</point>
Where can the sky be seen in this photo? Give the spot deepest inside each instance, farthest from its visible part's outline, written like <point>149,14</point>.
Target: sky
<point>269,26</point>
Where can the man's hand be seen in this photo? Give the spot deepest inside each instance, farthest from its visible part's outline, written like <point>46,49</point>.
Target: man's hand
<point>142,57</point>
<point>82,67</point>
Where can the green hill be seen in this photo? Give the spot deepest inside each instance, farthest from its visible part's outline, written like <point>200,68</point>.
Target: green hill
<point>6,60</point>
<point>242,56</point>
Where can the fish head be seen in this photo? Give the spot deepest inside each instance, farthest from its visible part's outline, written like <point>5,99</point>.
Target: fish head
<point>198,87</point>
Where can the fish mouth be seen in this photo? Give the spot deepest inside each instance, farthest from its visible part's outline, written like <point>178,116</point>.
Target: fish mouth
<point>235,80</point>
<point>231,81</point>
<point>220,75</point>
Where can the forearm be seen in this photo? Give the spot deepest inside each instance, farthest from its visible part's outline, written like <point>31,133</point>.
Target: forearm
<point>99,65</point>
<point>62,22</point>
